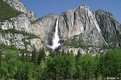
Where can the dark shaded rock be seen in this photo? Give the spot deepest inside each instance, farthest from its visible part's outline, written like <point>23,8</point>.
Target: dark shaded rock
<point>110,28</point>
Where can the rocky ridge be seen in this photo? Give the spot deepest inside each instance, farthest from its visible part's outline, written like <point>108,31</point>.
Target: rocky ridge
<point>80,30</point>
<point>84,29</point>
<point>17,5</point>
<point>18,31</point>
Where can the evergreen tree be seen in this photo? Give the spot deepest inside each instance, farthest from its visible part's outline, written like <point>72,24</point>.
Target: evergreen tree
<point>61,67</point>
<point>86,66</point>
<point>111,63</point>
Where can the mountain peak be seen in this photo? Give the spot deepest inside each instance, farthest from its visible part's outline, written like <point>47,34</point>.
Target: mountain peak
<point>83,7</point>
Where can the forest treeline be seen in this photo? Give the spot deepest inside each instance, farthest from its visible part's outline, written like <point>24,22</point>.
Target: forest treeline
<point>21,65</point>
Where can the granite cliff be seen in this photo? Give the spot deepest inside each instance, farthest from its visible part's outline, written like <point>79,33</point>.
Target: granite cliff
<point>78,30</point>
<point>16,30</point>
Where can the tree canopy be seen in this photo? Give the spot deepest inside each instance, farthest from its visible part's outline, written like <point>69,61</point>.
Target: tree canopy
<point>58,67</point>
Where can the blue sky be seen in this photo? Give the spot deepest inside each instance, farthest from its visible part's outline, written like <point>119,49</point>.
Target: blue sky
<point>44,7</point>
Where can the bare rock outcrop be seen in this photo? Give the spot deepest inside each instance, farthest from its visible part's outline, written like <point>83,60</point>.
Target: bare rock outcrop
<point>80,30</point>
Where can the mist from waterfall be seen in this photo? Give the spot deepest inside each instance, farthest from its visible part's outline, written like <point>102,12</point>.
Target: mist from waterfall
<point>55,40</point>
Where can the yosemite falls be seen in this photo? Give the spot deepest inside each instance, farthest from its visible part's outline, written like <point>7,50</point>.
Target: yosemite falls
<point>55,40</point>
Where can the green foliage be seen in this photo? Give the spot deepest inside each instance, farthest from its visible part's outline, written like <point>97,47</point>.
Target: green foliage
<point>111,63</point>
<point>8,66</point>
<point>7,12</point>
<point>13,31</point>
<point>38,56</point>
<point>76,42</point>
<point>114,38</point>
<point>59,66</point>
<point>86,66</point>
<point>25,71</point>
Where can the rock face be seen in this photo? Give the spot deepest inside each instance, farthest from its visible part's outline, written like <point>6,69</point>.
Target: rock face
<point>111,29</point>
<point>80,30</point>
<point>81,22</point>
<point>17,5</point>
<point>18,31</point>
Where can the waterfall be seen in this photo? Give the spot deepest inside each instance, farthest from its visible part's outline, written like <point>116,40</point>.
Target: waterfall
<point>55,40</point>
